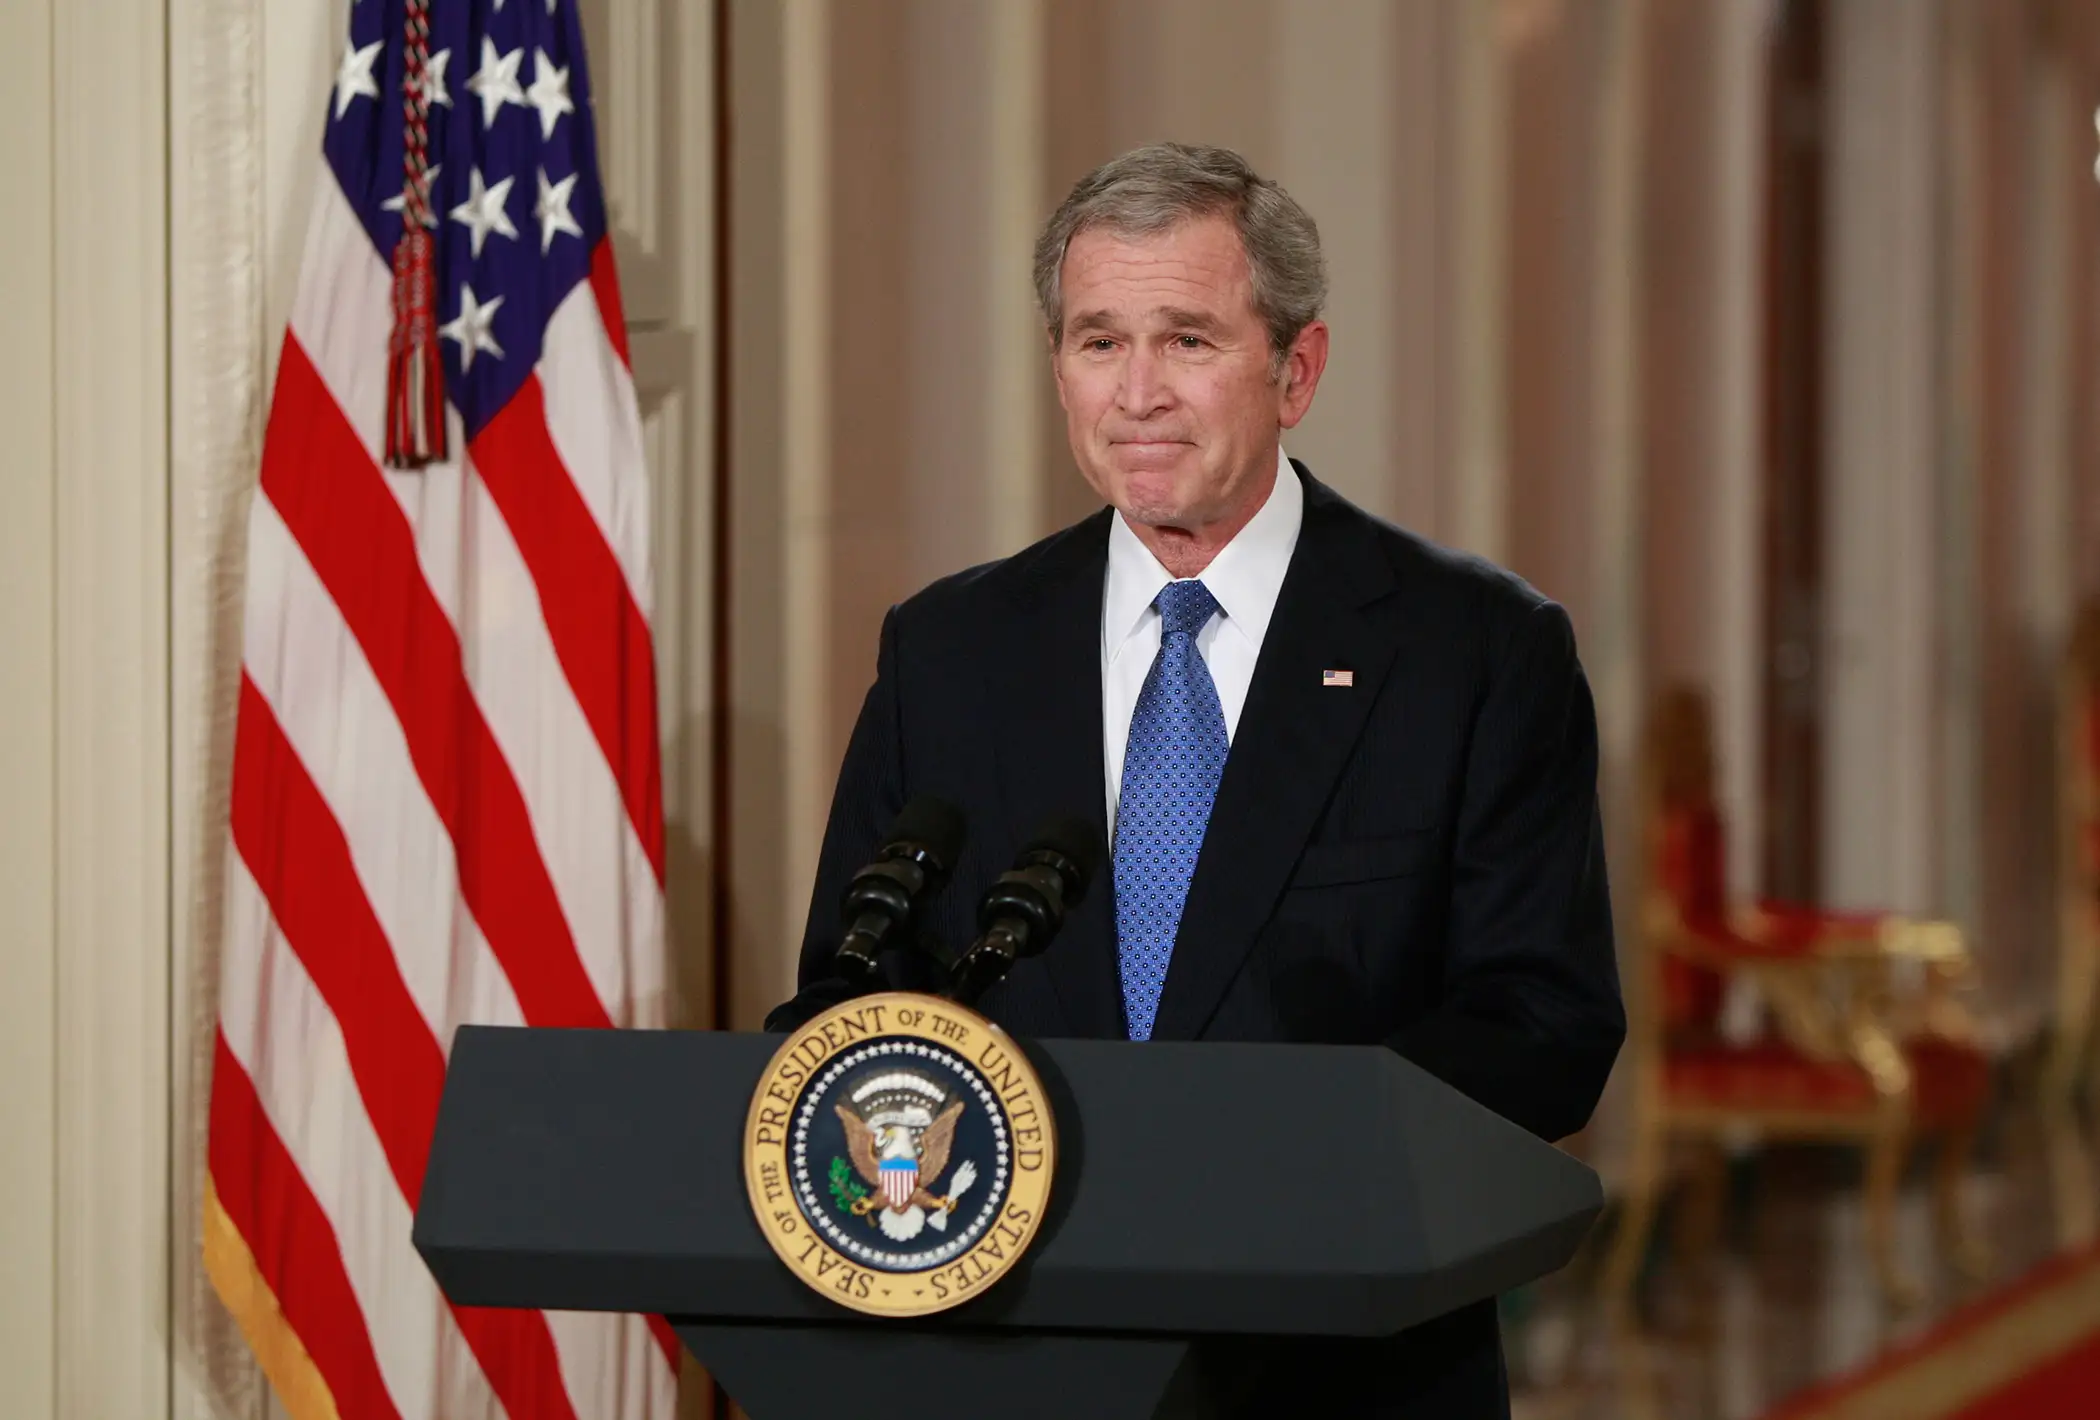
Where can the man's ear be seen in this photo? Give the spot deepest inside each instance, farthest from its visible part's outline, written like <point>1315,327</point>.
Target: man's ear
<point>1303,364</point>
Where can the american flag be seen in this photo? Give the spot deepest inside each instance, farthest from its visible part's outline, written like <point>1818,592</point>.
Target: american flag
<point>445,799</point>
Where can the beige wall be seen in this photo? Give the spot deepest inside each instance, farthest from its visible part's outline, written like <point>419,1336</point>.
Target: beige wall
<point>28,745</point>
<point>84,681</point>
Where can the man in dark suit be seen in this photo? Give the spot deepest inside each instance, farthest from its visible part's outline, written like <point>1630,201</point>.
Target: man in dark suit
<point>1349,778</point>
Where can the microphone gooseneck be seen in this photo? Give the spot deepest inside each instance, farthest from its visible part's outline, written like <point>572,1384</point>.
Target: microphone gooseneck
<point>1022,911</point>
<point>884,898</point>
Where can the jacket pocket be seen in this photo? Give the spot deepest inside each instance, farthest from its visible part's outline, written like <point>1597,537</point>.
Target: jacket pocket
<point>1364,860</point>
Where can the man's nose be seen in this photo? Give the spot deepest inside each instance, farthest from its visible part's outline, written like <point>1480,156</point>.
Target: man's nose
<point>1144,388</point>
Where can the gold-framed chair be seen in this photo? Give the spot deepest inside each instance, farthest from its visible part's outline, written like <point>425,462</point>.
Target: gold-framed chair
<point>1864,1036</point>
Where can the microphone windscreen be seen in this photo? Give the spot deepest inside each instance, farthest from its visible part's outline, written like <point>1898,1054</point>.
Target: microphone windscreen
<point>1078,842</point>
<point>935,825</point>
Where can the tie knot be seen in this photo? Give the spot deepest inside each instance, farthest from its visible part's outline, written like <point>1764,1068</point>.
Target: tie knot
<point>1184,607</point>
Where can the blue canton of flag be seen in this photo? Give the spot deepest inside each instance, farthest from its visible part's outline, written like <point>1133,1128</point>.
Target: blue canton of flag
<point>515,193</point>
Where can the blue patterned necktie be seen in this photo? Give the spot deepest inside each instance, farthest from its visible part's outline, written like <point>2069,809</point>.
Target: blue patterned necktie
<point>1171,767</point>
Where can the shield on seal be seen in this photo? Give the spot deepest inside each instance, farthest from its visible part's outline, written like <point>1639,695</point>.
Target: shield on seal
<point>900,1179</point>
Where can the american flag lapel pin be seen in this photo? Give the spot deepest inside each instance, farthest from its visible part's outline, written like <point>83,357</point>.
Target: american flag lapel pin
<point>1341,678</point>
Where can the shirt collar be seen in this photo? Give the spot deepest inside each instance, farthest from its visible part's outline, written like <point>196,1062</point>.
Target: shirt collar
<point>1246,576</point>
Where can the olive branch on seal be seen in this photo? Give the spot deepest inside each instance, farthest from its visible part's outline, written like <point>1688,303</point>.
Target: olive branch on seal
<point>846,1190</point>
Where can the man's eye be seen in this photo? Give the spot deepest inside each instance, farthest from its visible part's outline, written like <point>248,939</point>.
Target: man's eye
<point>1101,344</point>
<point>1188,342</point>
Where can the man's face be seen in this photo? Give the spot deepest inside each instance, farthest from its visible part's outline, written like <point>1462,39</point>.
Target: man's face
<point>1171,401</point>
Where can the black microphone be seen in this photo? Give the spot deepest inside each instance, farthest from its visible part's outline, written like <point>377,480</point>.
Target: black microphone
<point>884,897</point>
<point>1021,911</point>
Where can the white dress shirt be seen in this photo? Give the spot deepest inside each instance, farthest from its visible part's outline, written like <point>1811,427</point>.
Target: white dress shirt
<point>1244,577</point>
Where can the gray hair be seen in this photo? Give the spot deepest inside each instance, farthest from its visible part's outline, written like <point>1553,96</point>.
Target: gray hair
<point>1156,188</point>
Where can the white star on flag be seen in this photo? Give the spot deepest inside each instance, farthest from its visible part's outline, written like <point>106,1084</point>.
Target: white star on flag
<point>552,210</point>
<point>496,82</point>
<point>471,327</point>
<point>434,80</point>
<point>354,77</point>
<point>483,212</point>
<point>400,199</point>
<point>549,92</point>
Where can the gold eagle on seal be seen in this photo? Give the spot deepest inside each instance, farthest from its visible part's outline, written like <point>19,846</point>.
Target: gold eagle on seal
<point>900,1131</point>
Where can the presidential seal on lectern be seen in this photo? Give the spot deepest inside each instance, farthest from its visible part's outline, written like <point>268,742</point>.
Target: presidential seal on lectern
<point>899,1153</point>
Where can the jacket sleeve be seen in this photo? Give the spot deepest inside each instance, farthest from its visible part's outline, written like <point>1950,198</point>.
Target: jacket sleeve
<point>1530,1019</point>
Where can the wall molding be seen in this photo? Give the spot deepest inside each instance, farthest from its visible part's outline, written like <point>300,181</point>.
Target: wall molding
<point>1736,191</point>
<point>805,443</point>
<point>1882,782</point>
<point>1476,514</point>
<point>109,363</point>
<point>28,650</point>
<point>1018,121</point>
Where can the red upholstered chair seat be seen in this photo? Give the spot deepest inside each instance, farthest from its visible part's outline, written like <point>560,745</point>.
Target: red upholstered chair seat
<point>1949,1080</point>
<point>1764,1075</point>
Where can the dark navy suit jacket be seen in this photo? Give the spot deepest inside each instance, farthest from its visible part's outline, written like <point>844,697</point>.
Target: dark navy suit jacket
<point>1415,858</point>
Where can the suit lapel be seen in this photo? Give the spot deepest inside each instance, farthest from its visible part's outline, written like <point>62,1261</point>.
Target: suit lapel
<point>1045,705</point>
<point>1294,736</point>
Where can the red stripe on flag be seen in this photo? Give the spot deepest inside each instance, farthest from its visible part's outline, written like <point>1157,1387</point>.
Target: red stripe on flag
<point>292,1242</point>
<point>605,285</point>
<point>598,631</point>
<point>300,861</point>
<point>336,504</point>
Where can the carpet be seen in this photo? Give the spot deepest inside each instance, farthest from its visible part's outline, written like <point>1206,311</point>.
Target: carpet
<point>2030,1351</point>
